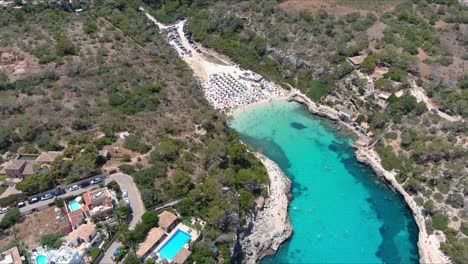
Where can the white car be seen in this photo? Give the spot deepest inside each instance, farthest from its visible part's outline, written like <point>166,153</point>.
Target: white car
<point>124,194</point>
<point>74,188</point>
<point>4,210</point>
<point>127,201</point>
<point>95,181</point>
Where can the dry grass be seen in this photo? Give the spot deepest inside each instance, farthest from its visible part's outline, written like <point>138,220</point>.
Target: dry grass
<point>341,7</point>
<point>33,226</point>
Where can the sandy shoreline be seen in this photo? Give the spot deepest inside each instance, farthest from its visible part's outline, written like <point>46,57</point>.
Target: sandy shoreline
<point>233,112</point>
<point>271,225</point>
<point>428,245</point>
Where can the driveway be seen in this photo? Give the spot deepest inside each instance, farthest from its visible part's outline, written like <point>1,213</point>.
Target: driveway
<point>108,255</point>
<point>136,203</point>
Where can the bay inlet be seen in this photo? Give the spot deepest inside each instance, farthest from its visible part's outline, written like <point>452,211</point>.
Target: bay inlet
<point>341,212</point>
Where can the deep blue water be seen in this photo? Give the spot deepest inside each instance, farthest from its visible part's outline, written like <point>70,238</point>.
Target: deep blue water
<point>341,212</point>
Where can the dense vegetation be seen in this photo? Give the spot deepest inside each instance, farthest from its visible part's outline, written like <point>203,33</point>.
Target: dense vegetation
<point>113,73</point>
<point>106,71</point>
<point>420,41</point>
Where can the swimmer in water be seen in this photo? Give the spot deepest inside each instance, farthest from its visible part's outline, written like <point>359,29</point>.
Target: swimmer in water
<point>327,167</point>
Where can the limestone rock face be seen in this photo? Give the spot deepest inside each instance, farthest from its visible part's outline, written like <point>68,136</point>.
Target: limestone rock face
<point>271,225</point>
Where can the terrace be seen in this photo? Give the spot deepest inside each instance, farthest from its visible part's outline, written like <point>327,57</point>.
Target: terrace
<point>175,247</point>
<point>98,203</point>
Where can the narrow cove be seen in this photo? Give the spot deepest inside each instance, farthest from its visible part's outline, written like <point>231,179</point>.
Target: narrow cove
<point>341,212</point>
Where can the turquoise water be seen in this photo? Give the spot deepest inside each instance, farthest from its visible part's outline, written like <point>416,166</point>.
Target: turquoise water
<point>341,212</point>
<point>175,243</point>
<point>74,205</point>
<point>41,259</point>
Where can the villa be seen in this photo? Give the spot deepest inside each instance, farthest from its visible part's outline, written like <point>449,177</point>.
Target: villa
<point>83,234</point>
<point>357,60</point>
<point>48,157</point>
<point>345,113</point>
<point>10,256</point>
<point>155,236</point>
<point>15,168</point>
<point>76,218</point>
<point>63,255</point>
<point>98,203</point>
<point>170,241</point>
<point>167,221</point>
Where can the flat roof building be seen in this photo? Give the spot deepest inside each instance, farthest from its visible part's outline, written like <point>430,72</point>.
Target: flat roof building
<point>10,256</point>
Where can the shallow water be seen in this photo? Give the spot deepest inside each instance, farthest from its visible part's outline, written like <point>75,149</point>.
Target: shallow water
<point>341,212</point>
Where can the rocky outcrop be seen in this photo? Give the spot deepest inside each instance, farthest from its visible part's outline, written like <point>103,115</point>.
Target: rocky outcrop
<point>271,225</point>
<point>312,107</point>
<point>428,245</point>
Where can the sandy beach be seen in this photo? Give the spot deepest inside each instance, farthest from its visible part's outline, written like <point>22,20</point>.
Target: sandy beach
<point>233,112</point>
<point>271,225</point>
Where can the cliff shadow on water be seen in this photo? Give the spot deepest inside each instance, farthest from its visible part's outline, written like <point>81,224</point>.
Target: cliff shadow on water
<point>341,211</point>
<point>387,204</point>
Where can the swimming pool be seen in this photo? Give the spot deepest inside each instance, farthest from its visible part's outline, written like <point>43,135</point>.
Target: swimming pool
<point>73,205</point>
<point>174,244</point>
<point>41,259</point>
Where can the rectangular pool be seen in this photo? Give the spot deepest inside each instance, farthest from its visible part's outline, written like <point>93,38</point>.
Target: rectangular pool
<point>174,244</point>
<point>73,205</point>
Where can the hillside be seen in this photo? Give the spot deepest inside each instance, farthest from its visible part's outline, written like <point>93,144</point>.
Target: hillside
<point>414,51</point>
<point>87,78</point>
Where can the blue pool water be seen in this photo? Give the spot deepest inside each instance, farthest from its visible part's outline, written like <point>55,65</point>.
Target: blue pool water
<point>74,205</point>
<point>341,211</point>
<point>41,259</point>
<point>174,244</point>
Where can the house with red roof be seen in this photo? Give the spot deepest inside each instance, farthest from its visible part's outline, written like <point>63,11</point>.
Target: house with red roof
<point>98,203</point>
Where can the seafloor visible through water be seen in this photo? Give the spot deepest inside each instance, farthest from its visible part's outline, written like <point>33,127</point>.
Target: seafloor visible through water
<point>341,212</point>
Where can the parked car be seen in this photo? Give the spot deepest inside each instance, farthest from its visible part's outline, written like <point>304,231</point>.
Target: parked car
<point>95,181</point>
<point>84,184</point>
<point>449,113</point>
<point>46,197</point>
<point>116,252</point>
<point>74,187</point>
<point>4,210</point>
<point>434,110</point>
<point>59,191</point>
<point>127,201</point>
<point>124,194</point>
<point>20,204</point>
<point>33,200</point>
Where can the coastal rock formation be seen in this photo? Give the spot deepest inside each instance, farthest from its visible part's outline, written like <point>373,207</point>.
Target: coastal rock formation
<point>312,107</point>
<point>271,225</point>
<point>428,245</point>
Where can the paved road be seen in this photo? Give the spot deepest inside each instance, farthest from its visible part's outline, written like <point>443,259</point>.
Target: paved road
<point>68,193</point>
<point>108,255</point>
<point>125,182</point>
<point>136,203</point>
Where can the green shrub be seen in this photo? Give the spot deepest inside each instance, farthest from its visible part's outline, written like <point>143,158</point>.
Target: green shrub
<point>440,221</point>
<point>10,218</point>
<point>52,240</point>
<point>133,143</point>
<point>94,253</point>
